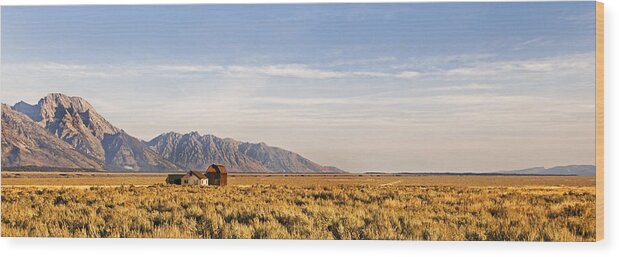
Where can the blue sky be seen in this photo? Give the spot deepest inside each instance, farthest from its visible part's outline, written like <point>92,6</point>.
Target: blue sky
<point>425,86</point>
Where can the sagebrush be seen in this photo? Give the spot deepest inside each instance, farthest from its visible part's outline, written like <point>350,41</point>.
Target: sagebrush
<point>292,212</point>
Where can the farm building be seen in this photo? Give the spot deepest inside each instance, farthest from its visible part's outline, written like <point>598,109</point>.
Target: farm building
<point>217,175</point>
<point>194,178</point>
<point>174,179</point>
<point>190,178</point>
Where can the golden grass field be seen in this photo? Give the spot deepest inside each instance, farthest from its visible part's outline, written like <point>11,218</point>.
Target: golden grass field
<point>522,208</point>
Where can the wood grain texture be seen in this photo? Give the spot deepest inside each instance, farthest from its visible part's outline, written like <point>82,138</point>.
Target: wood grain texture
<point>599,119</point>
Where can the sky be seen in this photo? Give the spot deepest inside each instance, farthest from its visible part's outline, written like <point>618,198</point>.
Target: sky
<point>364,87</point>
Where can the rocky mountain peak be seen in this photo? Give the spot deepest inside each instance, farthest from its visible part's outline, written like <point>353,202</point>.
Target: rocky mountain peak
<point>68,102</point>
<point>26,143</point>
<point>71,119</point>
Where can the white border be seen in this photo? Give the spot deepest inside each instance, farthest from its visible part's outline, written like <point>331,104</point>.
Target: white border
<point>177,247</point>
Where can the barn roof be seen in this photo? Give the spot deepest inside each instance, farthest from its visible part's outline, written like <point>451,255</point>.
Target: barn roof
<point>216,168</point>
<point>197,174</point>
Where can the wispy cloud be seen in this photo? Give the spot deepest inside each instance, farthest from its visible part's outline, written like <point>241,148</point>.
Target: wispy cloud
<point>69,70</point>
<point>564,63</point>
<point>407,74</point>
<point>301,71</point>
<point>190,68</point>
<point>473,86</point>
<point>364,61</point>
<point>467,66</point>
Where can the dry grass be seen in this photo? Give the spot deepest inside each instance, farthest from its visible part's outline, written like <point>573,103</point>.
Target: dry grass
<point>79,179</point>
<point>116,179</point>
<point>534,213</point>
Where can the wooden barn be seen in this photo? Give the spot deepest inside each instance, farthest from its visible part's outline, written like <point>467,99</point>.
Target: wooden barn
<point>217,175</point>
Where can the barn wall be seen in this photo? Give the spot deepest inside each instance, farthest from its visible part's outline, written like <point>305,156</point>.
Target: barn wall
<point>224,179</point>
<point>217,179</point>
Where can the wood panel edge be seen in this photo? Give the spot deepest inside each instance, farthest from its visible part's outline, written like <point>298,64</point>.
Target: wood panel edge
<point>599,120</point>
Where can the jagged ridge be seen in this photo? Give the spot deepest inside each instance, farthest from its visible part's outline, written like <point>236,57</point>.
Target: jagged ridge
<point>196,151</point>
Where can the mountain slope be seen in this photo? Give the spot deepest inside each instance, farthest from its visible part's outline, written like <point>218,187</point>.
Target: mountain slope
<point>124,152</point>
<point>277,159</point>
<point>571,170</point>
<point>24,143</point>
<point>75,121</point>
<point>195,151</point>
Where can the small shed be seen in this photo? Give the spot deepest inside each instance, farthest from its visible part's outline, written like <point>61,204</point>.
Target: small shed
<point>217,175</point>
<point>174,179</point>
<point>194,178</point>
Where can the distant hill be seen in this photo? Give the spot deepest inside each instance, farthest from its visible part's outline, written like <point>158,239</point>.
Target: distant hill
<point>66,131</point>
<point>571,170</point>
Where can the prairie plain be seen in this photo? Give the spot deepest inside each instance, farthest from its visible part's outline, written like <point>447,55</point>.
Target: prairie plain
<point>81,179</point>
<point>300,206</point>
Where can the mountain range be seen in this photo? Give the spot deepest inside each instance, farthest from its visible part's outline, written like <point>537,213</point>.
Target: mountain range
<point>66,131</point>
<point>569,170</point>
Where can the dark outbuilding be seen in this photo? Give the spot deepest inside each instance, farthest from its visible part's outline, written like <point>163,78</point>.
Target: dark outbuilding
<point>217,175</point>
<point>174,179</point>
